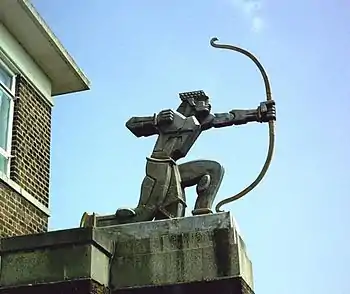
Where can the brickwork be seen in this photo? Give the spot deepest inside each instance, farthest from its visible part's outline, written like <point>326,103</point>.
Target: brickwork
<point>17,215</point>
<point>30,166</point>
<point>83,286</point>
<point>234,285</point>
<point>224,286</point>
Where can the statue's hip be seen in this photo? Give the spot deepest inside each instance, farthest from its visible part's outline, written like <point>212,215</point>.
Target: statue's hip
<point>166,172</point>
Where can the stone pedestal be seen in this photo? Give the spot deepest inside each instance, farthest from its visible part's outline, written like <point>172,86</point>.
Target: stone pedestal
<point>186,255</point>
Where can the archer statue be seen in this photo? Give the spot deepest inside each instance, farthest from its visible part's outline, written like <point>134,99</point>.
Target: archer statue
<point>163,188</point>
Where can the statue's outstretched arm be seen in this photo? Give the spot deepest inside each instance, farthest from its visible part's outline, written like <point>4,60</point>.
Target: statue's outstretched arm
<point>143,126</point>
<point>264,113</point>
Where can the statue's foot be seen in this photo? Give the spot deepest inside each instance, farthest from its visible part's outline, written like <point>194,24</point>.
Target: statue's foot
<point>200,211</point>
<point>124,213</point>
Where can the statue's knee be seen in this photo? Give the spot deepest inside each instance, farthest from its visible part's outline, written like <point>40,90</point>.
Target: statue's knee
<point>213,176</point>
<point>203,184</point>
<point>215,168</point>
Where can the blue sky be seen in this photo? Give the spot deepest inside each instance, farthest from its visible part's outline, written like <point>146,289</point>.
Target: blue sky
<point>140,54</point>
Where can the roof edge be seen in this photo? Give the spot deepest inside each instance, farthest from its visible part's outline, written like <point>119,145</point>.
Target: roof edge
<point>56,44</point>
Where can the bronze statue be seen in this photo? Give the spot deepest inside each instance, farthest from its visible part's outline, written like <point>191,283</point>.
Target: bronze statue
<point>163,188</point>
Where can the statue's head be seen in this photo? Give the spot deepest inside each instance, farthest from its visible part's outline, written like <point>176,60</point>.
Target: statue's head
<point>195,103</point>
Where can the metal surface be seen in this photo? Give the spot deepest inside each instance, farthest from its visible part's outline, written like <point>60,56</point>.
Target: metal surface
<point>271,124</point>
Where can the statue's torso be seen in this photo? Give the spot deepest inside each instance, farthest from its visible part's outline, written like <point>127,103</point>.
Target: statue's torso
<point>175,140</point>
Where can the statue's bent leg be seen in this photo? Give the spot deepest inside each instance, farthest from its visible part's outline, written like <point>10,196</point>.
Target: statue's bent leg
<point>207,175</point>
<point>154,188</point>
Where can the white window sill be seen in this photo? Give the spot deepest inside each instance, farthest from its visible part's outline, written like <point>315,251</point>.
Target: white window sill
<point>24,194</point>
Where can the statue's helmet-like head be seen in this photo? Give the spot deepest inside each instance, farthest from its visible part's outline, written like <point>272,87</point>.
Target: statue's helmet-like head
<point>198,101</point>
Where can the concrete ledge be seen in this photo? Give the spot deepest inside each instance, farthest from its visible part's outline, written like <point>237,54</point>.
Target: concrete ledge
<point>123,257</point>
<point>53,257</point>
<point>183,250</point>
<point>80,236</point>
<point>168,226</point>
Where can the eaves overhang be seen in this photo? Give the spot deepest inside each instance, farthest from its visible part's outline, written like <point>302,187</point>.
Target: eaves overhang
<point>33,34</point>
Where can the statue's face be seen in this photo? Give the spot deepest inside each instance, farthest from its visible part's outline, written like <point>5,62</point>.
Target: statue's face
<point>197,104</point>
<point>202,107</point>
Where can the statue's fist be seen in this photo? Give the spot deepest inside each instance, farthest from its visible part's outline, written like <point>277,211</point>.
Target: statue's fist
<point>267,111</point>
<point>165,117</point>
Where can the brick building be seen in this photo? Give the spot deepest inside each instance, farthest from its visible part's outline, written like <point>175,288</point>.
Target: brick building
<point>34,68</point>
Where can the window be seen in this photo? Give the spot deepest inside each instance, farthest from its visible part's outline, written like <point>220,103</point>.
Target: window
<point>7,93</point>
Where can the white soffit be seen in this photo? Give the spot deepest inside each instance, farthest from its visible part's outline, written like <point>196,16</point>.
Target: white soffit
<point>30,30</point>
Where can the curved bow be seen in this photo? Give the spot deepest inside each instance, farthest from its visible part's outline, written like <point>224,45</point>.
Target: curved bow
<point>271,125</point>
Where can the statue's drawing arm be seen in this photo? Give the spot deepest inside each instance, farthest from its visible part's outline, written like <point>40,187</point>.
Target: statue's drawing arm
<point>264,113</point>
<point>146,126</point>
<point>142,126</point>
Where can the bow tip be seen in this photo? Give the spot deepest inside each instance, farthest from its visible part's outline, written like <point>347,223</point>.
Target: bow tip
<point>213,40</point>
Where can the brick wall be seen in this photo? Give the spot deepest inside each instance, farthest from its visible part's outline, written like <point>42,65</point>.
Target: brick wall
<point>30,166</point>
<point>235,285</point>
<point>17,215</point>
<point>81,286</point>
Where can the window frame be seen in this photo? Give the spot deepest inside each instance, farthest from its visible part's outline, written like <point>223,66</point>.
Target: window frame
<point>11,93</point>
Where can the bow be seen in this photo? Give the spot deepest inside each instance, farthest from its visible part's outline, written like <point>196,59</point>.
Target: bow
<point>271,125</point>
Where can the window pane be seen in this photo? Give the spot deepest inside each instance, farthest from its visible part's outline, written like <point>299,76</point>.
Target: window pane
<point>5,77</point>
<point>3,164</point>
<point>4,118</point>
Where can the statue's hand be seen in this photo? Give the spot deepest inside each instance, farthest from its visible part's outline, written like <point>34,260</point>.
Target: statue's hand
<point>165,117</point>
<point>267,111</point>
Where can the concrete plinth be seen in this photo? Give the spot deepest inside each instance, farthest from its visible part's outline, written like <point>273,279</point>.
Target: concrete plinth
<point>182,255</point>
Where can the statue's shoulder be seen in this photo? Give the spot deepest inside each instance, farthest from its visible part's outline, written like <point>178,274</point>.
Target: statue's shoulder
<point>208,122</point>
